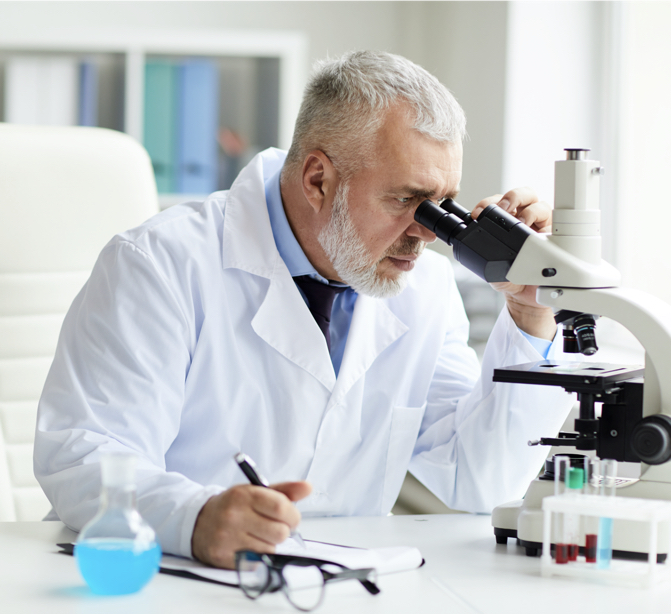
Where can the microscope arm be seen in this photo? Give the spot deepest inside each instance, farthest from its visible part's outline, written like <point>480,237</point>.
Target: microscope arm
<point>540,262</point>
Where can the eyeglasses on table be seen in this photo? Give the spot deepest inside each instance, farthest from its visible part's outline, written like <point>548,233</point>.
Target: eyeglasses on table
<point>301,579</point>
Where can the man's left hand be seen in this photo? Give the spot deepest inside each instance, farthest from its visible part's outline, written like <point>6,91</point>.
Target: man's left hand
<point>531,317</point>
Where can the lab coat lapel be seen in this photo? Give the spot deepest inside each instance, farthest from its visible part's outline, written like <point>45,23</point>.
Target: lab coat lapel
<point>373,329</point>
<point>282,319</point>
<point>285,322</point>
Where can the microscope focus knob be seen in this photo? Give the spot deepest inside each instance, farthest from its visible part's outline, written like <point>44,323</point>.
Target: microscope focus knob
<point>651,439</point>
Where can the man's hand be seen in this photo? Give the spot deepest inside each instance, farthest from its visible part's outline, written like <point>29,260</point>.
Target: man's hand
<point>532,318</point>
<point>246,517</point>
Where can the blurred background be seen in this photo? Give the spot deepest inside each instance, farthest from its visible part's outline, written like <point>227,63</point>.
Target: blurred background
<point>206,85</point>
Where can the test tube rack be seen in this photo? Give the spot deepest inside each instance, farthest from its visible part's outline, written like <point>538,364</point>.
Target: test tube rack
<point>641,573</point>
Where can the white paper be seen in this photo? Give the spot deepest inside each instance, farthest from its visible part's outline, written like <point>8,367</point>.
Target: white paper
<point>383,560</point>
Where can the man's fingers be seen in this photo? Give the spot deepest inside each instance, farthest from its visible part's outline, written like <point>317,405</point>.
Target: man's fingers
<point>519,197</point>
<point>483,204</point>
<point>267,530</point>
<point>295,491</point>
<point>537,216</point>
<point>275,505</point>
<point>522,203</point>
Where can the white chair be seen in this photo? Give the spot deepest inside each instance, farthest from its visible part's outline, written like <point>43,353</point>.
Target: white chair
<point>64,192</point>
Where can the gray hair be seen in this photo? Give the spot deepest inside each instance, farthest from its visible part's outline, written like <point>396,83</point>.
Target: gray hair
<point>346,99</point>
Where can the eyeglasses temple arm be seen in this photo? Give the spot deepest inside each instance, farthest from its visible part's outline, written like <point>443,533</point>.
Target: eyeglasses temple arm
<point>359,574</point>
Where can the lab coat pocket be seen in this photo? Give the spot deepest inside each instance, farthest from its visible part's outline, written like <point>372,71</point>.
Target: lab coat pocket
<point>405,423</point>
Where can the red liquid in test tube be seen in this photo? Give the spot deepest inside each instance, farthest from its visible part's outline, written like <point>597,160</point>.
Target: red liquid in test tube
<point>561,554</point>
<point>590,548</point>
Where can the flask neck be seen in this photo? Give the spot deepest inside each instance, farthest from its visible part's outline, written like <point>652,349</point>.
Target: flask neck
<point>118,497</point>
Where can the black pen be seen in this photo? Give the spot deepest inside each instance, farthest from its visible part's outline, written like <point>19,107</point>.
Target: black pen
<point>248,467</point>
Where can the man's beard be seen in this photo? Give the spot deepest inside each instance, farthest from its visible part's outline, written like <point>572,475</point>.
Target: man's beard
<point>352,260</point>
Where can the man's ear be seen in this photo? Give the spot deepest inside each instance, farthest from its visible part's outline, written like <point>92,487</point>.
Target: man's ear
<point>318,179</point>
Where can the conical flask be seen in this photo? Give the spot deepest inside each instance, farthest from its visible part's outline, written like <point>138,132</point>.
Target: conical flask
<point>117,552</point>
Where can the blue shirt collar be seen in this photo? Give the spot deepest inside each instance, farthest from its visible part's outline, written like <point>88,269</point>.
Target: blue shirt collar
<point>290,250</point>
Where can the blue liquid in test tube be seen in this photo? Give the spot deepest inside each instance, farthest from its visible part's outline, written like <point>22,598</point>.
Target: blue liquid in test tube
<point>604,548</point>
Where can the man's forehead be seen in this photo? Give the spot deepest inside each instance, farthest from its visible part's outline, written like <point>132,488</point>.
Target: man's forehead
<point>399,125</point>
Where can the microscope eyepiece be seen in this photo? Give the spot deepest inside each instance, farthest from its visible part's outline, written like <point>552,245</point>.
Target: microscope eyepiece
<point>452,206</point>
<point>439,221</point>
<point>487,246</point>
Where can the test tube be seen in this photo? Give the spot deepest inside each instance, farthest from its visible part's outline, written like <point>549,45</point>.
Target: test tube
<point>604,552</point>
<point>562,466</point>
<point>574,486</point>
<point>591,523</point>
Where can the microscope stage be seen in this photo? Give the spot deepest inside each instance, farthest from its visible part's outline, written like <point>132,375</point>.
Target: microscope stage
<point>576,376</point>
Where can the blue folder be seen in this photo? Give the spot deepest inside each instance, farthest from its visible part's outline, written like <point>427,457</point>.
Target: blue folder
<point>88,93</point>
<point>198,115</point>
<point>160,121</point>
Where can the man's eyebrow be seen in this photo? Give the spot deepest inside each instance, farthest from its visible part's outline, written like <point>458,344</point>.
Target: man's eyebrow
<point>419,192</point>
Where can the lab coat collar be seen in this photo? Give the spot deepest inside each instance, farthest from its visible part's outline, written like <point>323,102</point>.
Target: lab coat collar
<point>248,242</point>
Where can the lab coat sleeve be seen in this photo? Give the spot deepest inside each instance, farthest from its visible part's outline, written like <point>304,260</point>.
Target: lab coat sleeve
<point>117,384</point>
<point>472,451</point>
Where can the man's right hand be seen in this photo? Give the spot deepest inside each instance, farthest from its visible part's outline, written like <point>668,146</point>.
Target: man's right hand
<point>246,517</point>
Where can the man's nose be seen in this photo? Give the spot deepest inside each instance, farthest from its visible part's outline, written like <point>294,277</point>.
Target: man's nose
<point>421,232</point>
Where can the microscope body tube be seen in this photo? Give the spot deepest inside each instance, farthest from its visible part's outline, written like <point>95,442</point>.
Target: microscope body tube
<point>576,219</point>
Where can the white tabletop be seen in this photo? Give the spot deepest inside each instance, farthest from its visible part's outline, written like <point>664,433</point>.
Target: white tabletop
<point>466,572</point>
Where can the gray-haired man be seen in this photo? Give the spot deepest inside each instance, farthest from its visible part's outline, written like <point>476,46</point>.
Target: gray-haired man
<point>204,332</point>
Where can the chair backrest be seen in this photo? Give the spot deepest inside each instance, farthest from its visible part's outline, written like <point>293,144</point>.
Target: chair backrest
<point>64,192</point>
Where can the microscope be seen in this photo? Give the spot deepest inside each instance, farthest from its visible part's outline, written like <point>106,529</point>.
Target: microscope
<point>572,279</point>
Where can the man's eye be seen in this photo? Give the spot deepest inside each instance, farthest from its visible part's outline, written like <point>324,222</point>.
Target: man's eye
<point>404,201</point>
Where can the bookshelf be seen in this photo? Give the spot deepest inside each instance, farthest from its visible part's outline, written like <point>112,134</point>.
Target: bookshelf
<point>265,70</point>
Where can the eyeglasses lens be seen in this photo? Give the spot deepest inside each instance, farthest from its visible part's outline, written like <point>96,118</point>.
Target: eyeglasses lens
<point>252,574</point>
<point>303,586</point>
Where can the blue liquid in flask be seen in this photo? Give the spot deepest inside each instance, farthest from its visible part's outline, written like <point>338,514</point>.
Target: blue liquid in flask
<point>116,566</point>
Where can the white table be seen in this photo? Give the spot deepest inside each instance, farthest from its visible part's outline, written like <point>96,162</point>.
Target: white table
<point>465,573</point>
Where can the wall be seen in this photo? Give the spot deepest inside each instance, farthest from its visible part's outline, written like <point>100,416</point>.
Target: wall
<point>332,27</point>
<point>644,210</point>
<point>553,89</point>
<point>465,49</point>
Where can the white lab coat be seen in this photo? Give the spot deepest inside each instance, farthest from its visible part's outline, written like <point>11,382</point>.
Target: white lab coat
<point>191,342</point>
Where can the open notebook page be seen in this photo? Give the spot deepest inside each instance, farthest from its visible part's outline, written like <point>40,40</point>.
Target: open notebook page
<point>384,560</point>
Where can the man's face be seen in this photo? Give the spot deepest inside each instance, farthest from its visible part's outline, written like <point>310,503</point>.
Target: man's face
<point>372,239</point>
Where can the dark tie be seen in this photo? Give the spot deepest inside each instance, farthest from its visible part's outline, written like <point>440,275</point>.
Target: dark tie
<point>320,301</point>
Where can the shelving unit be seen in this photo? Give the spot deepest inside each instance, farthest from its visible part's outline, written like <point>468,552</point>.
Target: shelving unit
<point>279,59</point>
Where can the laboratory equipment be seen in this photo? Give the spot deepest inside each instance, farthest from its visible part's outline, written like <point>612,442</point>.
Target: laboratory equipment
<point>604,552</point>
<point>593,485</point>
<point>562,466</point>
<point>116,551</point>
<point>567,549</point>
<point>572,278</point>
<point>647,514</point>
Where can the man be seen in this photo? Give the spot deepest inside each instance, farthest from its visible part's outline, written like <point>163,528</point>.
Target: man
<point>194,337</point>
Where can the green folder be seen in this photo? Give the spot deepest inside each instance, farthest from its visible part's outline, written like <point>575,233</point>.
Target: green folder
<point>160,121</point>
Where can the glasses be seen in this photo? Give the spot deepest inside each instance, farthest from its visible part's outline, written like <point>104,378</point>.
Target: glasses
<point>301,579</point>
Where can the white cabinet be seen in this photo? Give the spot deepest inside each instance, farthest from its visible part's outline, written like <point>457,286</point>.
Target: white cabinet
<point>262,74</point>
